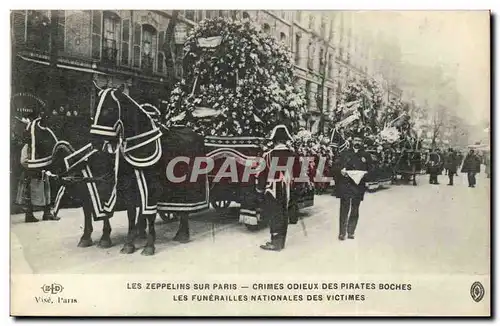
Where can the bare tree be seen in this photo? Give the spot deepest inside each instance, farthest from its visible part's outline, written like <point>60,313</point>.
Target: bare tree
<point>438,122</point>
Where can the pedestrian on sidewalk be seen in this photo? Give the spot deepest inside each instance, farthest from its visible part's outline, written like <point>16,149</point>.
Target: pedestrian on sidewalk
<point>471,166</point>
<point>487,163</point>
<point>350,192</point>
<point>451,164</point>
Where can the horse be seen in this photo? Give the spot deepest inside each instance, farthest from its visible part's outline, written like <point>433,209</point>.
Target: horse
<point>75,169</point>
<point>144,148</point>
<point>409,163</point>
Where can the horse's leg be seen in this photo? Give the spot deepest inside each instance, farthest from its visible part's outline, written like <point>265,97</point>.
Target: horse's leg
<point>105,241</point>
<point>129,247</point>
<point>141,226</point>
<point>182,234</point>
<point>149,249</point>
<point>86,239</point>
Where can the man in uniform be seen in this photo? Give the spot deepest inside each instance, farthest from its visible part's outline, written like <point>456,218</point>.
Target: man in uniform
<point>471,166</point>
<point>34,189</point>
<point>275,187</point>
<point>451,164</point>
<point>433,166</point>
<point>351,191</point>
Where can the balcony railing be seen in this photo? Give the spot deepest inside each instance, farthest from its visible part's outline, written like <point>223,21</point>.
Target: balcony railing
<point>110,53</point>
<point>147,63</point>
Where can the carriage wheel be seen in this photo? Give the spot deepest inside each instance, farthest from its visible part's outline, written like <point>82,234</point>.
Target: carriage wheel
<point>220,204</point>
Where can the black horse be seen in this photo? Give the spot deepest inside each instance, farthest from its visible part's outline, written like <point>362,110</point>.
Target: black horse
<point>408,165</point>
<point>76,172</point>
<point>143,150</point>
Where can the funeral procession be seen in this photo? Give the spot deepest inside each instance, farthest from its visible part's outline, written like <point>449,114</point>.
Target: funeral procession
<point>243,142</point>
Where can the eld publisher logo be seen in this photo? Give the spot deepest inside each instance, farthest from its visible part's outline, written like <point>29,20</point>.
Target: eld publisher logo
<point>477,291</point>
<point>53,288</point>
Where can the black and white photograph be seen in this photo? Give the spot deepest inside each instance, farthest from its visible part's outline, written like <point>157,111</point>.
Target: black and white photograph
<point>250,163</point>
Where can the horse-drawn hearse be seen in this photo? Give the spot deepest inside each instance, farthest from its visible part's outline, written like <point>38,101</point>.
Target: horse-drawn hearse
<point>243,151</point>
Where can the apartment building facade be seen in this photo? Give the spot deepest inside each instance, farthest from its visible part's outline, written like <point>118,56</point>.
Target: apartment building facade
<point>57,54</point>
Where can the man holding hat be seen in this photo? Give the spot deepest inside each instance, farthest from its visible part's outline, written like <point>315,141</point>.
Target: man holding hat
<point>351,168</point>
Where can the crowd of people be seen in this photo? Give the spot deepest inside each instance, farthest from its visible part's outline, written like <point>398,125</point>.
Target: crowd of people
<point>349,167</point>
<point>450,162</point>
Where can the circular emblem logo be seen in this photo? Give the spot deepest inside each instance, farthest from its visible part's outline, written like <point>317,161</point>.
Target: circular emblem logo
<point>363,160</point>
<point>477,291</point>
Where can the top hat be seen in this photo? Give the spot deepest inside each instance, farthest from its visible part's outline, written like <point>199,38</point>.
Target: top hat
<point>358,134</point>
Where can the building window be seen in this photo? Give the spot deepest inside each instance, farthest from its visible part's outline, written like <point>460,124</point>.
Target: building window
<point>329,100</point>
<point>283,37</point>
<point>308,94</point>
<point>179,55</point>
<point>297,49</point>
<point>61,22</point>
<point>162,65</point>
<point>96,34</point>
<point>111,38</point>
<point>189,14</point>
<point>212,13</point>
<point>298,16</point>
<point>149,47</point>
<point>330,66</point>
<point>266,28</point>
<point>310,57</point>
<point>19,25</point>
<point>125,57</point>
<point>311,21</point>
<point>199,15</point>
<point>38,30</point>
<point>321,60</point>
<point>145,47</point>
<point>323,26</point>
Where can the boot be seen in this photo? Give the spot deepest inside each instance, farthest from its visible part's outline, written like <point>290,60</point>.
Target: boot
<point>30,218</point>
<point>47,215</point>
<point>277,243</point>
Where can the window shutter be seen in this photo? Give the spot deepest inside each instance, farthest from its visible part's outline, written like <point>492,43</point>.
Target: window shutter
<point>96,34</point>
<point>125,42</point>
<point>137,45</point>
<point>161,56</point>
<point>154,49</point>
<point>19,26</point>
<point>61,16</point>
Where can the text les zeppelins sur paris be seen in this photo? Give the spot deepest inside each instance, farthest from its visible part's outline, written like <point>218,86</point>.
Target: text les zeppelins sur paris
<point>296,291</point>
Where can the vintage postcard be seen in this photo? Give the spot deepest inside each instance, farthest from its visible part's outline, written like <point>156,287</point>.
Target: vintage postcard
<point>250,163</point>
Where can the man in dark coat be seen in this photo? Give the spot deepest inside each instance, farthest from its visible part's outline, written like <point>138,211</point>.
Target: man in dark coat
<point>433,166</point>
<point>451,164</point>
<point>350,186</point>
<point>276,188</point>
<point>36,155</point>
<point>471,166</point>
